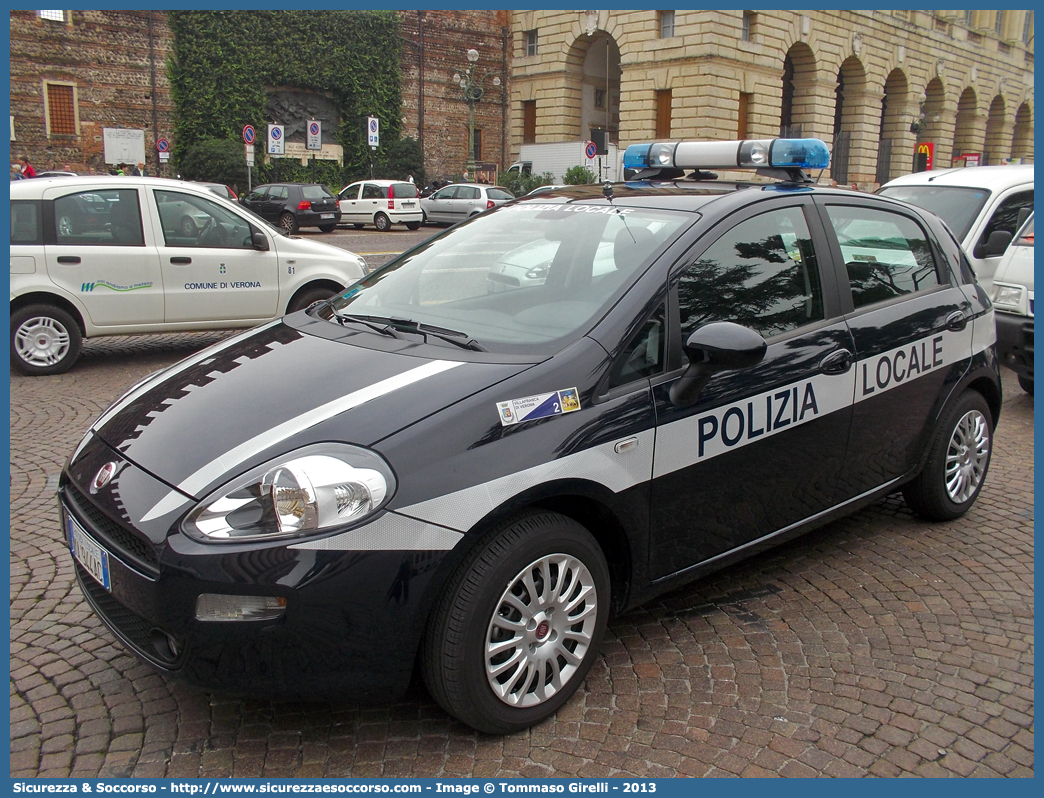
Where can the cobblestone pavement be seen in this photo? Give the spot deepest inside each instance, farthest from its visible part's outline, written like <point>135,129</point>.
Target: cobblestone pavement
<point>878,645</point>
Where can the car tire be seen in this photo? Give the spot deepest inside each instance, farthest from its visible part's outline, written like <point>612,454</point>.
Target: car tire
<point>413,225</point>
<point>65,226</point>
<point>307,297</point>
<point>358,225</point>
<point>327,228</point>
<point>958,459</point>
<point>424,217</point>
<point>44,340</point>
<point>288,224</point>
<point>188,227</point>
<point>382,222</point>
<point>558,642</point>
<point>1027,384</point>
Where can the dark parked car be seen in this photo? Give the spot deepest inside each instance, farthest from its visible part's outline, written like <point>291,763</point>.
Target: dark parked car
<point>221,190</point>
<point>292,206</point>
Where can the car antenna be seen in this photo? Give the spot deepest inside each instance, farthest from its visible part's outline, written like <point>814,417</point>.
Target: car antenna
<point>607,190</point>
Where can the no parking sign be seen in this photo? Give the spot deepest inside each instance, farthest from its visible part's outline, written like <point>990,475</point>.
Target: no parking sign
<point>275,140</point>
<point>590,150</point>
<point>373,135</point>
<point>315,135</point>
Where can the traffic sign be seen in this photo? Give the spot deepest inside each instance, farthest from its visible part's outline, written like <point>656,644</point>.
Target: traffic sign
<point>590,150</point>
<point>275,140</point>
<point>164,157</point>
<point>248,134</point>
<point>373,134</point>
<point>315,136</point>
<point>162,145</point>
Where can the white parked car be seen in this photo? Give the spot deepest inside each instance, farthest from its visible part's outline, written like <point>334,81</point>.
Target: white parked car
<point>979,204</point>
<point>460,201</point>
<point>116,255</point>
<point>1013,303</point>
<point>381,203</point>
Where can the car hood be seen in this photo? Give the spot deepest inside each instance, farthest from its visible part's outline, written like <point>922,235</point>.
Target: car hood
<point>273,390</point>
<point>294,246</point>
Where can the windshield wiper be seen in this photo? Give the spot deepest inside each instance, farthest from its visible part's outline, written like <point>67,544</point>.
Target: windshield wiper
<point>389,325</point>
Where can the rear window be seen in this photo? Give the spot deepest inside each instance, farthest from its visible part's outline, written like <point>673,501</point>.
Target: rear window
<point>958,206</point>
<point>315,192</point>
<point>403,191</point>
<point>499,194</point>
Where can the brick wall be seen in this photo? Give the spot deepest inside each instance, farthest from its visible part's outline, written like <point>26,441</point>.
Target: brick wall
<point>106,55</point>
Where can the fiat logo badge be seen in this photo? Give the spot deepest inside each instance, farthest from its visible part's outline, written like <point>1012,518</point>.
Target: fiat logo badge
<point>103,477</point>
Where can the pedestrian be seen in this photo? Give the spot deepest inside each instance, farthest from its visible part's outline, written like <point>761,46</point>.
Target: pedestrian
<point>464,178</point>
<point>138,170</point>
<point>27,168</point>
<point>16,172</point>
<point>409,177</point>
<point>120,167</point>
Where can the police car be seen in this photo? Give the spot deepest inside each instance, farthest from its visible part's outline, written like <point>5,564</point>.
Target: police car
<point>424,470</point>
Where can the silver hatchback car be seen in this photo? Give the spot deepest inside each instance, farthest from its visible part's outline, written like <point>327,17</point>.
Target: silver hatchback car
<point>460,201</point>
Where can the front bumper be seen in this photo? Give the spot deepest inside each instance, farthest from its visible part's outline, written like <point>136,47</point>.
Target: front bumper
<point>1015,342</point>
<point>351,627</point>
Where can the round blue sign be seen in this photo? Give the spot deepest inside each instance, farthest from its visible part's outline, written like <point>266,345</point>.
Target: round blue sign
<point>163,145</point>
<point>373,125</point>
<point>590,150</point>
<point>276,134</point>
<point>314,128</point>
<point>248,134</point>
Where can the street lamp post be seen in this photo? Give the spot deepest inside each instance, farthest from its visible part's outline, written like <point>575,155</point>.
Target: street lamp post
<point>470,81</point>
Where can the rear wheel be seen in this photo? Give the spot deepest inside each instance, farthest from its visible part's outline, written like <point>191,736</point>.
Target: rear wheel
<point>327,228</point>
<point>288,224</point>
<point>44,340</point>
<point>1027,384</point>
<point>957,462</point>
<point>413,225</point>
<point>382,222</point>
<point>519,624</point>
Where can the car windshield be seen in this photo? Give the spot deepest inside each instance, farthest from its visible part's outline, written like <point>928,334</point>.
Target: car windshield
<point>403,190</point>
<point>526,278</point>
<point>314,192</point>
<point>958,206</point>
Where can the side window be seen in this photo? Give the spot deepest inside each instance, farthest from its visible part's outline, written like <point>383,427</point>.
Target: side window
<point>886,255</point>
<point>109,217</point>
<point>26,227</point>
<point>1006,217</point>
<point>350,193</point>
<point>277,193</point>
<point>644,354</point>
<point>191,221</point>
<point>371,191</point>
<point>468,192</point>
<point>762,274</point>
<point>257,195</point>
<point>445,194</point>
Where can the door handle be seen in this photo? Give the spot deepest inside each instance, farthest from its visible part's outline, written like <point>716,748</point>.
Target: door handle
<point>181,260</point>
<point>836,362</point>
<point>956,321</point>
<point>68,258</point>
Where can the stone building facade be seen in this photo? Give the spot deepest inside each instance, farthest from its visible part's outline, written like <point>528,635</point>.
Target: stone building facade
<point>435,45</point>
<point>875,85</point>
<point>75,73</point>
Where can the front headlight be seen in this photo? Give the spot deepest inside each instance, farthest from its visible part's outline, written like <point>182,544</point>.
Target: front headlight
<point>303,493</point>
<point>1008,296</point>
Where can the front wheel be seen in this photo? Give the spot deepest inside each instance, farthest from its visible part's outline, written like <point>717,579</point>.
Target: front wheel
<point>519,624</point>
<point>413,225</point>
<point>382,222</point>
<point>1027,384</point>
<point>307,297</point>
<point>957,463</point>
<point>288,224</point>
<point>44,340</point>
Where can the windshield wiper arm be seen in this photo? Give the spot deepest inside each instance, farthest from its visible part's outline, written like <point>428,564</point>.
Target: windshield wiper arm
<point>394,327</point>
<point>375,323</point>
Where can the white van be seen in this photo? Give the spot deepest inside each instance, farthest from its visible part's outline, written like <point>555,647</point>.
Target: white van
<point>1013,301</point>
<point>979,204</point>
<point>117,255</point>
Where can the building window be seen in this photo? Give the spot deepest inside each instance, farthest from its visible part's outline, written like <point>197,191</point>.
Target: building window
<point>743,125</point>
<point>967,17</point>
<point>998,24</point>
<point>599,100</point>
<point>478,144</point>
<point>529,122</point>
<point>61,109</point>
<point>903,15</point>
<point>663,114</point>
<point>1027,27</point>
<point>666,24</point>
<point>747,31</point>
<point>531,42</point>
<point>54,16</point>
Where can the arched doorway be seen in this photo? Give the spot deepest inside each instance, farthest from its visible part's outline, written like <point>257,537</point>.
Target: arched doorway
<point>965,132</point>
<point>997,148</point>
<point>931,124</point>
<point>1022,138</point>
<point>895,139</point>
<point>593,64</point>
<point>850,155</point>
<point>798,103</point>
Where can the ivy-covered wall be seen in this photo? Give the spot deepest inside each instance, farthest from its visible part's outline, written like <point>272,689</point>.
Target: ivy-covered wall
<point>223,61</point>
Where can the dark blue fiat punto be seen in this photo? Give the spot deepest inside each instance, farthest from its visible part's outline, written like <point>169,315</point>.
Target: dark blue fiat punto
<point>544,415</point>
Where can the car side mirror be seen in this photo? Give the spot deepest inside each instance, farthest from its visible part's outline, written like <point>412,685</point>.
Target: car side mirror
<point>715,347</point>
<point>1024,213</point>
<point>260,241</point>
<point>995,244</point>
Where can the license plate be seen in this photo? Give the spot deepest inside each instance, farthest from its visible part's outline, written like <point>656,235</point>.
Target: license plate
<point>326,216</point>
<point>409,204</point>
<point>89,554</point>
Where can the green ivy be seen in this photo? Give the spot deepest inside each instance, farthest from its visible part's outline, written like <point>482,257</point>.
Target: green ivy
<point>222,61</point>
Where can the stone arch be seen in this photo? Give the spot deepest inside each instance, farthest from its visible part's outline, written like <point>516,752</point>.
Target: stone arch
<point>997,146</point>
<point>855,110</point>
<point>1022,137</point>
<point>898,110</point>
<point>799,102</point>
<point>592,86</point>
<point>967,133</point>
<point>934,121</point>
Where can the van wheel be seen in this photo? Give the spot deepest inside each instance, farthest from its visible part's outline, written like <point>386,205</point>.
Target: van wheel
<point>44,340</point>
<point>382,222</point>
<point>1027,384</point>
<point>413,225</point>
<point>288,224</point>
<point>519,624</point>
<point>308,296</point>
<point>957,462</point>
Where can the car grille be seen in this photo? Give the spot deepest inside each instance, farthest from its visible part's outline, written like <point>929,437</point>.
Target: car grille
<point>127,545</point>
<point>148,640</point>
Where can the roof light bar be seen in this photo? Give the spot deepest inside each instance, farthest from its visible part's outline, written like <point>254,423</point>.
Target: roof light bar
<point>748,154</point>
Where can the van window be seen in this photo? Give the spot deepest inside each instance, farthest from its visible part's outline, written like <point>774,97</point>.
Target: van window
<point>1006,217</point>
<point>26,227</point>
<point>108,217</point>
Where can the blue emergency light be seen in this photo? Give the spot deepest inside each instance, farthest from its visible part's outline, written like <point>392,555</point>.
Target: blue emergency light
<point>748,154</point>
